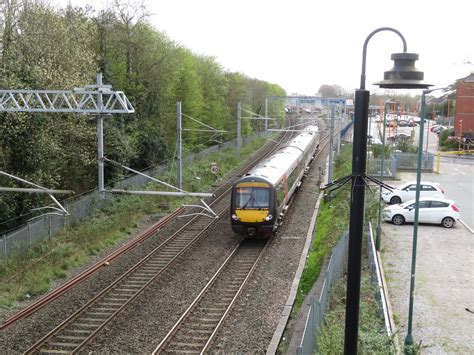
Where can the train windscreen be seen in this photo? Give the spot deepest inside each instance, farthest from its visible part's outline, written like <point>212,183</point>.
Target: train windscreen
<point>252,197</point>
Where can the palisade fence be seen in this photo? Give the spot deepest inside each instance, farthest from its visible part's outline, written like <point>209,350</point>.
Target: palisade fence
<point>20,240</point>
<point>319,307</point>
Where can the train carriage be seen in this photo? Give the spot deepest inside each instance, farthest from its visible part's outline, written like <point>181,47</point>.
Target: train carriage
<point>259,198</point>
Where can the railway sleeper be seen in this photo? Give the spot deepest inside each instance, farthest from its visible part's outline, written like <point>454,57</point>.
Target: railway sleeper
<point>53,351</point>
<point>186,345</point>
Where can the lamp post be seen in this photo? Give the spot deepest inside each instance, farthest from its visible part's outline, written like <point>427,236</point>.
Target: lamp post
<point>409,337</point>
<point>379,227</point>
<point>403,75</point>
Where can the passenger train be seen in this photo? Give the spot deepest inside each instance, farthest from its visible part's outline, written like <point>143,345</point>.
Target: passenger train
<point>260,197</point>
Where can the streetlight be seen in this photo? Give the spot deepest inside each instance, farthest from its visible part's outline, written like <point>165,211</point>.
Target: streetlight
<point>409,337</point>
<point>403,75</point>
<point>379,228</point>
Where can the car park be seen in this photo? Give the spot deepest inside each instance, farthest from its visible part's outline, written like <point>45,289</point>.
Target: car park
<point>399,136</point>
<point>431,210</point>
<point>407,192</point>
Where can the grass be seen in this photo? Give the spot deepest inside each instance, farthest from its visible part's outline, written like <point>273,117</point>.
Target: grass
<point>330,227</point>
<point>372,336</point>
<point>332,222</point>
<point>25,277</point>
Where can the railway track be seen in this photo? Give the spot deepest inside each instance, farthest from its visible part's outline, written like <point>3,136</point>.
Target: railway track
<point>197,327</point>
<point>83,325</point>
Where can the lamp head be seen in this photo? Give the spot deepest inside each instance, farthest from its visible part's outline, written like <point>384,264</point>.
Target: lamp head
<point>404,74</point>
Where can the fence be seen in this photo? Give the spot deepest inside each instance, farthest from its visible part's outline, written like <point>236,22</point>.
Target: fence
<point>406,161</point>
<point>374,167</point>
<point>19,241</point>
<point>381,295</point>
<point>319,307</point>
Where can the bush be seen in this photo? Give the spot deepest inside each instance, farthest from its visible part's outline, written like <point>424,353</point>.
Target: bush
<point>377,150</point>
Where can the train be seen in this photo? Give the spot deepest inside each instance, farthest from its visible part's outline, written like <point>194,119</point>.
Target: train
<point>260,197</point>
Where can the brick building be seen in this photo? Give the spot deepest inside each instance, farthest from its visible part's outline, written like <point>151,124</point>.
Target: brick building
<point>464,114</point>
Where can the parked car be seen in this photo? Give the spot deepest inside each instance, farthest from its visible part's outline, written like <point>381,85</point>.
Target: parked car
<point>437,130</point>
<point>399,136</point>
<point>407,192</point>
<point>431,210</point>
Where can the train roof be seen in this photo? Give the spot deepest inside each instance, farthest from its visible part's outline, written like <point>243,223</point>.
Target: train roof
<point>273,168</point>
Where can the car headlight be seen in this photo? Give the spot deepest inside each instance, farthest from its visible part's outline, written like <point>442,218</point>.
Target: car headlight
<point>269,217</point>
<point>234,217</point>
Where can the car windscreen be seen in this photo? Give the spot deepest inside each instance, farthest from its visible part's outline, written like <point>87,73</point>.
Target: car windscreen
<point>252,197</point>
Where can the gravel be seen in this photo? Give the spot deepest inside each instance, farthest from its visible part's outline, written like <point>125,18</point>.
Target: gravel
<point>139,328</point>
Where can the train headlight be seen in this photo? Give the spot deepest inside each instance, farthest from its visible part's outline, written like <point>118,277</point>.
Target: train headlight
<point>234,217</point>
<point>269,217</point>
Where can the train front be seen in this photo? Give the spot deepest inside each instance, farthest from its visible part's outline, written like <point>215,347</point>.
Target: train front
<point>252,206</point>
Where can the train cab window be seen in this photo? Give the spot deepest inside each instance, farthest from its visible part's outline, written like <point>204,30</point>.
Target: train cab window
<point>252,197</point>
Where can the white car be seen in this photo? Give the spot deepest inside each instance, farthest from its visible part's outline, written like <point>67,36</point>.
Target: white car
<point>407,192</point>
<point>431,210</point>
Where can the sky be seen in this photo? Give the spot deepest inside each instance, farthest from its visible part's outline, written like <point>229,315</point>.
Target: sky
<point>302,44</point>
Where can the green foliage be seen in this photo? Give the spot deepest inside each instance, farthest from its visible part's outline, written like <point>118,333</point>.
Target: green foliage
<point>330,226</point>
<point>447,140</point>
<point>372,337</point>
<point>47,48</point>
<point>377,150</point>
<point>405,146</point>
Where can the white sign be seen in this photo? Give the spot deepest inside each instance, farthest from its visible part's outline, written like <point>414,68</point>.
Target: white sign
<point>214,168</point>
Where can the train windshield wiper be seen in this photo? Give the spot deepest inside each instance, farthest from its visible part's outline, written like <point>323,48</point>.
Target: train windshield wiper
<point>251,198</point>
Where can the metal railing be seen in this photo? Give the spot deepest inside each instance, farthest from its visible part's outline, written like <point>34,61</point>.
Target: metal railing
<point>406,161</point>
<point>374,167</point>
<point>381,295</point>
<point>318,307</point>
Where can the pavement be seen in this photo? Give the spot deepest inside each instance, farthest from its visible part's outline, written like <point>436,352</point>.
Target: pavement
<point>443,303</point>
<point>443,315</point>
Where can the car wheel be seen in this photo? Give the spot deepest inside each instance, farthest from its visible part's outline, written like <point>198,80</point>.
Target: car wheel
<point>395,200</point>
<point>447,222</point>
<point>398,219</point>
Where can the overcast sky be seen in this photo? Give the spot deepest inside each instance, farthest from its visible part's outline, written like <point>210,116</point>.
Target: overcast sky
<point>303,44</point>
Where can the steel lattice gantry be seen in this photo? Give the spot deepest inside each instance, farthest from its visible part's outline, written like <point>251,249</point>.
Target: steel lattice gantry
<point>98,99</point>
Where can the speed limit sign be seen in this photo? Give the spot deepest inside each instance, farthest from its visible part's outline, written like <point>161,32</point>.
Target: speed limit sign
<point>214,168</point>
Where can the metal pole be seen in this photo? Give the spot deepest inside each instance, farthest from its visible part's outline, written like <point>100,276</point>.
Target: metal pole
<point>266,115</point>
<point>331,144</point>
<point>427,135</point>
<point>409,337</point>
<point>356,220</point>
<point>180,147</point>
<point>382,167</point>
<point>100,151</point>
<point>359,159</point>
<point>100,136</point>
<point>238,129</point>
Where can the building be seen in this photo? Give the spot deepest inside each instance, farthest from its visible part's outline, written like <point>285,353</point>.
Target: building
<point>464,113</point>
